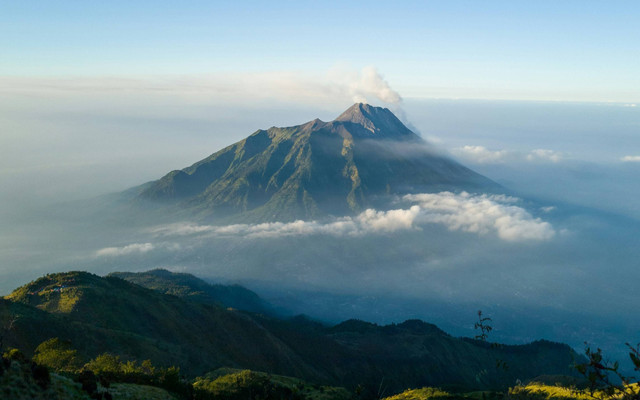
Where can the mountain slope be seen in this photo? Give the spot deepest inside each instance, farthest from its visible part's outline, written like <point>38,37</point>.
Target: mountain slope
<point>195,289</point>
<point>312,170</point>
<point>109,314</point>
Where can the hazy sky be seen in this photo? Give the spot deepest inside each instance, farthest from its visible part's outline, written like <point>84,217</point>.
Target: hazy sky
<point>100,96</point>
<point>544,50</point>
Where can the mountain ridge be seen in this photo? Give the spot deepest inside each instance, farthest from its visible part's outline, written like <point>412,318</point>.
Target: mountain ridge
<point>359,160</point>
<point>110,314</point>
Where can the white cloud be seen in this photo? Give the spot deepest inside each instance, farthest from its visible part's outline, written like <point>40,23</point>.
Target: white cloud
<point>370,84</point>
<point>481,154</point>
<point>630,159</point>
<point>481,214</point>
<point>125,250</point>
<point>136,248</point>
<point>544,155</point>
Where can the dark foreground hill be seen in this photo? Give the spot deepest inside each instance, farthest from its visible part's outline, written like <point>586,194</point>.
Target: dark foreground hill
<point>98,314</point>
<point>311,170</point>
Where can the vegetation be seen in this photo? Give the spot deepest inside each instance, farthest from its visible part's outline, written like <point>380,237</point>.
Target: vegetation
<point>135,323</point>
<point>606,379</point>
<point>195,289</point>
<point>57,355</point>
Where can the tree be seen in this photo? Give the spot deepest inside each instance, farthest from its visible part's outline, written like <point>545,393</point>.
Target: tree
<point>603,375</point>
<point>483,325</point>
<point>7,326</point>
<point>57,354</point>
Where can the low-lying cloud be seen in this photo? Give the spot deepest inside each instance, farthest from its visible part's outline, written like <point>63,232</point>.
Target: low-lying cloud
<point>484,214</point>
<point>630,159</point>
<point>483,155</point>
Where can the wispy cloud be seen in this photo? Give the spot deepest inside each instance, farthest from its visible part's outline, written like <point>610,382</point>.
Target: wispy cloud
<point>483,155</point>
<point>134,248</point>
<point>338,84</point>
<point>630,159</point>
<point>366,84</point>
<point>544,155</point>
<point>480,214</point>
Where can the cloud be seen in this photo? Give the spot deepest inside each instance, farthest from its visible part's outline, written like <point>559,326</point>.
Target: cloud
<point>480,214</point>
<point>544,155</point>
<point>630,159</point>
<point>370,84</point>
<point>481,154</point>
<point>339,84</point>
<point>134,248</point>
<point>483,214</point>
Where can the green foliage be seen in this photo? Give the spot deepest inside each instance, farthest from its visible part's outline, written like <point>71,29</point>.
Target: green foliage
<point>425,393</point>
<point>539,391</point>
<point>57,355</point>
<point>109,368</point>
<point>129,391</point>
<point>22,379</point>
<point>106,364</point>
<point>14,355</point>
<point>247,384</point>
<point>603,375</point>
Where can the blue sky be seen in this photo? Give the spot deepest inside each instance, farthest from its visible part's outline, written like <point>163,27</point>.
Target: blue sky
<point>543,50</point>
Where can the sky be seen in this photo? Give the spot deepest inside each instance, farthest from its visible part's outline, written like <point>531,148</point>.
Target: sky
<point>543,50</point>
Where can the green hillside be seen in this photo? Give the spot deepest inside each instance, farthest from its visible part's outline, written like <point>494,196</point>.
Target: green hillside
<point>97,314</point>
<point>195,289</point>
<point>312,170</point>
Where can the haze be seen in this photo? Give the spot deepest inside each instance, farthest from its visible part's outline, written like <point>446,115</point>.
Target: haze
<point>542,98</point>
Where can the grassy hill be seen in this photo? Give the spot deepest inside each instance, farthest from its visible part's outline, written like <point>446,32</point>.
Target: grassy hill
<point>98,314</point>
<point>195,289</point>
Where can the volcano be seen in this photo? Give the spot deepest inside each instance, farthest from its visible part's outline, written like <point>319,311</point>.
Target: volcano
<point>364,158</point>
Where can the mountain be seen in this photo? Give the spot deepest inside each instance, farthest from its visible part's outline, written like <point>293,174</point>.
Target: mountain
<point>195,289</point>
<point>98,314</point>
<point>312,170</point>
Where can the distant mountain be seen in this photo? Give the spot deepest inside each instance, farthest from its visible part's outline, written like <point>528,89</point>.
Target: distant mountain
<point>312,170</point>
<point>98,314</point>
<point>195,289</point>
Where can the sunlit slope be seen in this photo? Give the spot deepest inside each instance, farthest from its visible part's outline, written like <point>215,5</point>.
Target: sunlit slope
<point>315,169</point>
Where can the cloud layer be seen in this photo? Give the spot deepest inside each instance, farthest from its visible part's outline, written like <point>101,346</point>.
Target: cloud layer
<point>496,215</point>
